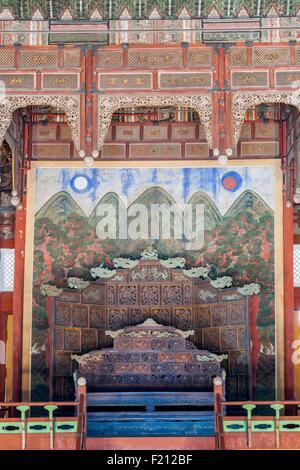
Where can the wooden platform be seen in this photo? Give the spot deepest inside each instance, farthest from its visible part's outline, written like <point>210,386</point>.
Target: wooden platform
<point>150,414</point>
<point>151,443</point>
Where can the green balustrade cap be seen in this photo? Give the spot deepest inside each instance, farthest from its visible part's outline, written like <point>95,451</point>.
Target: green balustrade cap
<point>50,408</point>
<point>249,407</point>
<point>23,409</point>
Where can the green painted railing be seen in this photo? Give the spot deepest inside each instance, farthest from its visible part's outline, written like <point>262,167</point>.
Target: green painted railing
<point>48,424</point>
<point>275,422</point>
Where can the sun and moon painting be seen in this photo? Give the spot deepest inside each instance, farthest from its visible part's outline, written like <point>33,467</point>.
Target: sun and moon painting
<point>238,232</point>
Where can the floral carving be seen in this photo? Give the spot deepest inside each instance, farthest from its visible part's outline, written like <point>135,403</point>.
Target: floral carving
<point>101,272</point>
<point>243,101</point>
<point>173,262</point>
<point>221,282</point>
<point>199,271</point>
<point>148,273</point>
<point>77,283</point>
<point>107,105</point>
<point>124,263</point>
<point>249,289</point>
<point>50,291</point>
<point>69,104</point>
<point>211,357</point>
<point>152,329</point>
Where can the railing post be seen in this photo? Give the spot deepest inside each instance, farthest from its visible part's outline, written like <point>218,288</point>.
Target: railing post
<point>23,409</point>
<point>249,408</point>
<point>51,409</point>
<point>277,407</point>
<point>218,421</point>
<point>81,398</point>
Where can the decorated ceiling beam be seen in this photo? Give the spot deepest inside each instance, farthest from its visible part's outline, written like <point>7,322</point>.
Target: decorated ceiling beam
<point>141,9</point>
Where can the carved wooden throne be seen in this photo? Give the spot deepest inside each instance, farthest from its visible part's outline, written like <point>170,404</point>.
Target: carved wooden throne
<point>149,356</point>
<point>218,317</point>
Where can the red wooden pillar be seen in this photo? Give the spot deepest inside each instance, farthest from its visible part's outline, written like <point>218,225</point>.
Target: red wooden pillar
<point>288,242</point>
<point>82,99</point>
<point>215,101</point>
<point>254,305</point>
<point>288,273</point>
<point>18,302</point>
<point>3,342</point>
<point>89,144</point>
<point>218,418</point>
<point>5,310</point>
<point>20,228</point>
<point>221,127</point>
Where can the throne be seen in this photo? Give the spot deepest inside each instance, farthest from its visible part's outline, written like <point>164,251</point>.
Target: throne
<point>149,356</point>
<point>137,374</point>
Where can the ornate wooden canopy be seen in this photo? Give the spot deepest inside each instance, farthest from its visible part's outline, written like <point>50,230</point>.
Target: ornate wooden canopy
<point>141,9</point>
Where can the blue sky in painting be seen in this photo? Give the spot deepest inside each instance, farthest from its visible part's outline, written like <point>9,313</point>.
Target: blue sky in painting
<point>180,183</point>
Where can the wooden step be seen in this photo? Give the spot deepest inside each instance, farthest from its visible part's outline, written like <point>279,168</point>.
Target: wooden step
<point>151,443</point>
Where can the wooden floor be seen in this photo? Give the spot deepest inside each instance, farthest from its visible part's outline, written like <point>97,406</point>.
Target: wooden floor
<point>150,443</point>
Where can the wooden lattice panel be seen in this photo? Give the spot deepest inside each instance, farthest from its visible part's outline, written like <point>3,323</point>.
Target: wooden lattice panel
<point>238,57</point>
<point>109,58</point>
<point>154,58</point>
<point>7,59</point>
<point>199,57</point>
<point>271,56</point>
<point>72,59</point>
<point>39,59</point>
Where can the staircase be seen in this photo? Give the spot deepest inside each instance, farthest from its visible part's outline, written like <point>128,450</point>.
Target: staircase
<point>150,420</point>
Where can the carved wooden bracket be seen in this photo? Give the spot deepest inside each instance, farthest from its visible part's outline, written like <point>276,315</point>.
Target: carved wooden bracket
<point>107,105</point>
<point>69,104</point>
<point>241,102</point>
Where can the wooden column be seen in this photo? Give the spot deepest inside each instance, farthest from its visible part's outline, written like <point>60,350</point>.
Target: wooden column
<point>218,419</point>
<point>19,281</point>
<point>3,343</point>
<point>89,101</point>
<point>221,126</point>
<point>81,398</point>
<point>6,308</point>
<point>288,272</point>
<point>288,242</point>
<point>254,307</point>
<point>215,99</point>
<point>18,302</point>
